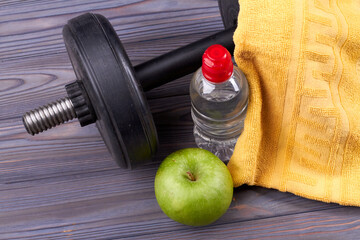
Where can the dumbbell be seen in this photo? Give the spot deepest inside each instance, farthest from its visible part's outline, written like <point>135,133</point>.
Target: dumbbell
<point>109,91</point>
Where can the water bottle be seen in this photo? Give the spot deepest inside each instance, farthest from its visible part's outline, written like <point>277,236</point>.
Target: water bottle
<point>219,97</point>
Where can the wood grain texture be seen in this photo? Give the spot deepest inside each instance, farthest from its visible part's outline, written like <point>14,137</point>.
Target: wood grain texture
<point>62,184</point>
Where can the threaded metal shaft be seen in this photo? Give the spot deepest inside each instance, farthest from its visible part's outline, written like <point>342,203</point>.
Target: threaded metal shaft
<point>48,116</point>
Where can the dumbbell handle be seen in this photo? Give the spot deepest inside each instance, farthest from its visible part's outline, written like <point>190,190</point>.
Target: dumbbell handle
<point>180,62</point>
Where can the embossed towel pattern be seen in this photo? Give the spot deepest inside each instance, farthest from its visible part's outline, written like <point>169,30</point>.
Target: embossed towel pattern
<point>302,130</point>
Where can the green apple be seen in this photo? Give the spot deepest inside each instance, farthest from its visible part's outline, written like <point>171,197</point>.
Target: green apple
<point>193,187</point>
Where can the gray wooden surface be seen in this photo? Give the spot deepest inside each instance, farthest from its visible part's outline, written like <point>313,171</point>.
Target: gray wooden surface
<point>62,184</point>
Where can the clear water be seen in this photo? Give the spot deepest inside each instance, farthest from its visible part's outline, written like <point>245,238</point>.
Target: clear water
<point>218,112</point>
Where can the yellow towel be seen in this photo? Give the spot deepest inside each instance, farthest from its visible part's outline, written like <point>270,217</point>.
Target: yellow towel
<point>302,130</point>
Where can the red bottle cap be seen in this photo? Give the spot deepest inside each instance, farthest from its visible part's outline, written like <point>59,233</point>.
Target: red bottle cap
<point>217,65</point>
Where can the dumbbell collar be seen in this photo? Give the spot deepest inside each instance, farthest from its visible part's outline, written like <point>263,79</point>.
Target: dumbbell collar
<point>81,102</point>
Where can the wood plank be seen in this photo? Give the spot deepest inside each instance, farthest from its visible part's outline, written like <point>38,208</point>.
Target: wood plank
<point>124,212</point>
<point>25,33</point>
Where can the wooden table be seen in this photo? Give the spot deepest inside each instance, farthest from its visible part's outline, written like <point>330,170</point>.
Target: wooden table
<point>62,184</point>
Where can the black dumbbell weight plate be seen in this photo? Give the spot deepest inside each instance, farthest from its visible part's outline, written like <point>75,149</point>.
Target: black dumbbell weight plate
<point>229,10</point>
<point>101,63</point>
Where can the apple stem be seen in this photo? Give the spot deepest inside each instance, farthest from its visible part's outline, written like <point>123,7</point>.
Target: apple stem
<point>191,176</point>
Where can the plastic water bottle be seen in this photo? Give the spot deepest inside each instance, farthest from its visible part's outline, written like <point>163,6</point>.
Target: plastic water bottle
<point>219,97</point>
